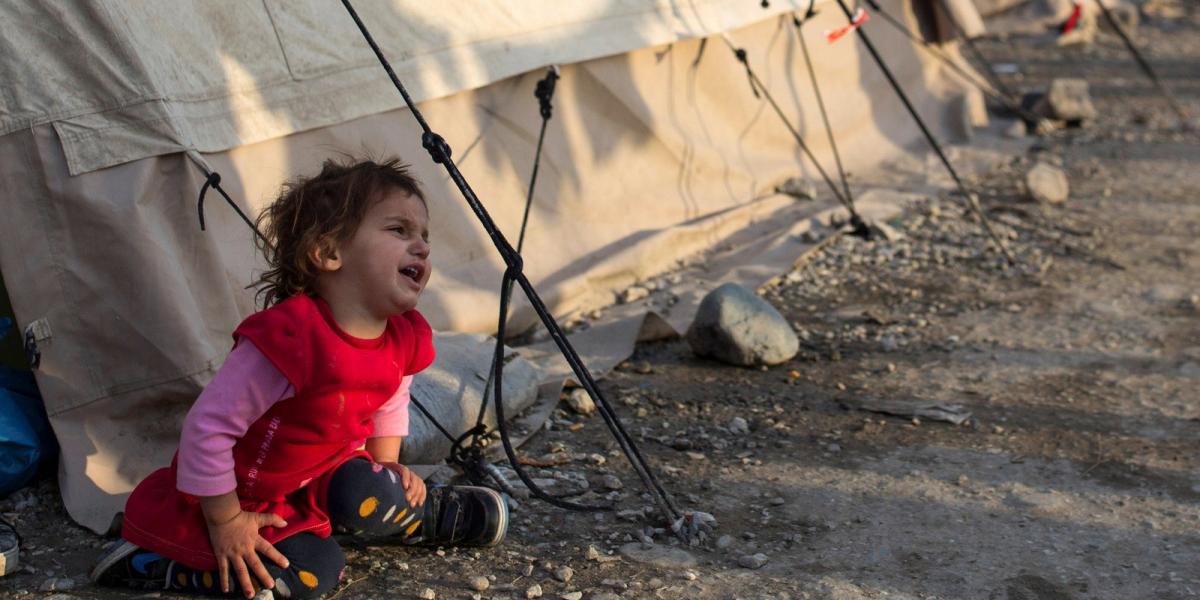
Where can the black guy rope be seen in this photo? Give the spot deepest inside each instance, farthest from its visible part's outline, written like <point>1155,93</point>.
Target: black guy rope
<point>992,86</point>
<point>812,76</point>
<point>973,50</point>
<point>971,201</point>
<point>544,92</point>
<point>213,180</point>
<point>439,152</point>
<point>1145,66</point>
<point>760,91</point>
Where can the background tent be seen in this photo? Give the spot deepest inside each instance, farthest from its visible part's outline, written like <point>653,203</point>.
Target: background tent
<point>105,105</point>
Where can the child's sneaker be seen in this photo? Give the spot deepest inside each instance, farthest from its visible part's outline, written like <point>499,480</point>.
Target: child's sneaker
<point>129,566</point>
<point>10,548</point>
<point>464,515</point>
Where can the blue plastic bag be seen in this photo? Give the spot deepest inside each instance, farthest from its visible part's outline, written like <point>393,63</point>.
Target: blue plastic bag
<point>26,440</point>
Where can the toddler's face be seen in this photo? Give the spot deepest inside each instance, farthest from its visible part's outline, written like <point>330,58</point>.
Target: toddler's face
<point>387,261</point>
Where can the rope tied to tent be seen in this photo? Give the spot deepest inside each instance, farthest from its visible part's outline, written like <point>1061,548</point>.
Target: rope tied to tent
<point>756,85</point>
<point>544,92</point>
<point>798,25</point>
<point>1185,120</point>
<point>514,274</point>
<point>989,83</point>
<point>213,181</point>
<point>971,201</point>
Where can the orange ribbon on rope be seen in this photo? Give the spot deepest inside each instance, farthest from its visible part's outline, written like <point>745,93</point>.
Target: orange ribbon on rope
<point>860,17</point>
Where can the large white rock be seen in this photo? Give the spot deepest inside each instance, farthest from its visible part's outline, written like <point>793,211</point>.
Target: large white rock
<point>451,389</point>
<point>735,326</point>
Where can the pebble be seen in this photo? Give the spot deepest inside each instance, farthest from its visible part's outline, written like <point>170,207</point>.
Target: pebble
<point>633,294</point>
<point>1047,183</point>
<point>753,561</point>
<point>571,595</point>
<point>724,542</point>
<point>738,426</point>
<point>592,553</point>
<point>580,402</point>
<point>56,584</point>
<point>564,574</point>
<point>533,591</point>
<point>603,596</point>
<point>427,594</point>
<point>613,482</point>
<point>479,583</point>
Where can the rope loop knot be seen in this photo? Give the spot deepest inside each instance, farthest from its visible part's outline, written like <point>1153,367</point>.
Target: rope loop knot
<point>436,146</point>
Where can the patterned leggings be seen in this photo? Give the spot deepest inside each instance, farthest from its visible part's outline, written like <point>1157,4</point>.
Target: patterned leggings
<point>365,499</point>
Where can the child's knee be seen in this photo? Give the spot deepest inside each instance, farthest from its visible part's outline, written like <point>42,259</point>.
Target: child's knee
<point>367,498</point>
<point>316,566</point>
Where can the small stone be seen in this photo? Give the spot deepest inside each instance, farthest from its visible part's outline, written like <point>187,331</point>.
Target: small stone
<point>963,480</point>
<point>777,501</point>
<point>753,561</point>
<point>1016,129</point>
<point>882,231</point>
<point>571,596</point>
<point>612,482</point>
<point>56,584</point>
<point>478,583</point>
<point>592,553</point>
<point>801,188</point>
<point>615,584</point>
<point>533,591</point>
<point>564,574</point>
<point>580,402</point>
<point>834,448</point>
<point>1047,183</point>
<point>690,575</point>
<point>724,542</point>
<point>603,596</point>
<point>527,571</point>
<point>738,426</point>
<point>633,294</point>
<point>1067,100</point>
<point>427,594</point>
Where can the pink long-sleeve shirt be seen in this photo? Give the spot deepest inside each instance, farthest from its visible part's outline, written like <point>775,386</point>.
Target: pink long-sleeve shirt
<point>244,388</point>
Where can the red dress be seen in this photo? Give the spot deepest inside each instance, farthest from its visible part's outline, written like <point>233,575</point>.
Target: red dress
<point>284,462</point>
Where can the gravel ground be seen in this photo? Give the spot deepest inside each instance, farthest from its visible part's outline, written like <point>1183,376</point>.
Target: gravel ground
<point>1076,476</point>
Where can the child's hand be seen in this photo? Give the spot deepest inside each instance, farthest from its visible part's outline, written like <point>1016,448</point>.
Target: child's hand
<point>414,486</point>
<point>236,543</point>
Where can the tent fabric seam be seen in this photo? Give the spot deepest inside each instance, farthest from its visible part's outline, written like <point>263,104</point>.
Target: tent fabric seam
<point>139,385</point>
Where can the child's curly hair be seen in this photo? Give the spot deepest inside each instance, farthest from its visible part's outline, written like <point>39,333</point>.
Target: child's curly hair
<point>320,212</point>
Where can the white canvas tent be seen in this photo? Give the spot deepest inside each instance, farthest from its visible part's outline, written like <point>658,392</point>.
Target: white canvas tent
<point>132,304</point>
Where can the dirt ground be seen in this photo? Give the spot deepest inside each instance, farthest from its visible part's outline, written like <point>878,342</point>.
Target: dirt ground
<point>1077,475</point>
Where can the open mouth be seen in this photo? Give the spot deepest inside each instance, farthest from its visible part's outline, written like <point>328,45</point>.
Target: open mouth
<point>413,272</point>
